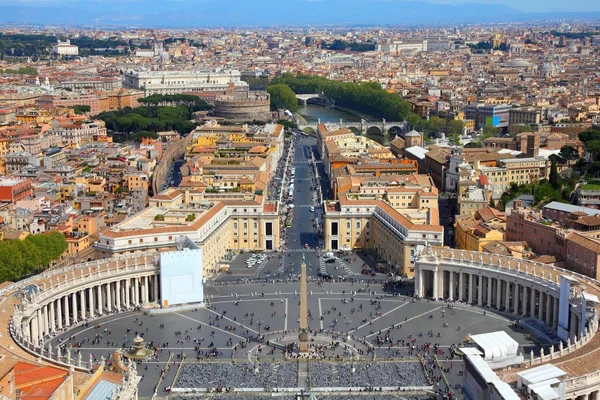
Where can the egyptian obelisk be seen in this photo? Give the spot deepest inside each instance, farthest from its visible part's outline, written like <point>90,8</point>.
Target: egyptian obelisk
<point>303,331</point>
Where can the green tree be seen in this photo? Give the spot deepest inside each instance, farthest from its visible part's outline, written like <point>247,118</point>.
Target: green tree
<point>568,153</point>
<point>454,139</point>
<point>282,96</point>
<point>81,109</point>
<point>455,126</point>
<point>554,178</point>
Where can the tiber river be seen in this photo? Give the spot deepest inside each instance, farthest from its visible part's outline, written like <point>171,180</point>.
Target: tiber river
<point>312,113</point>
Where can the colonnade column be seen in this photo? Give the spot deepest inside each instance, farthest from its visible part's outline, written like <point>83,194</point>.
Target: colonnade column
<point>524,302</point>
<point>127,290</point>
<point>100,301</point>
<point>489,291</point>
<point>555,313</point>
<point>74,303</point>
<point>66,314</point>
<point>91,305</point>
<point>118,294</point>
<point>451,285</point>
<point>52,326</point>
<point>516,295</point>
<point>541,307</point>
<point>155,283</point>
<point>45,325</point>
<point>59,313</point>
<point>136,290</point>
<point>498,293</point>
<point>147,287</point>
<point>461,286</point>
<point>549,300</point>
<point>470,288</point>
<point>507,297</point>
<point>435,285</point>
<point>532,304</point>
<point>480,290</point>
<point>35,334</point>
<point>109,297</point>
<point>83,309</point>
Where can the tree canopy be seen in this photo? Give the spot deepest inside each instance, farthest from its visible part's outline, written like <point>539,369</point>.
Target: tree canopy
<point>339,44</point>
<point>282,96</point>
<point>188,100</point>
<point>141,120</point>
<point>20,71</point>
<point>591,139</point>
<point>20,258</point>
<point>367,97</point>
<point>81,109</point>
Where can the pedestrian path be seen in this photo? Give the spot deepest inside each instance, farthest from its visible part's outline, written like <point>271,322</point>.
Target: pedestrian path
<point>309,250</point>
<point>345,266</point>
<point>322,266</point>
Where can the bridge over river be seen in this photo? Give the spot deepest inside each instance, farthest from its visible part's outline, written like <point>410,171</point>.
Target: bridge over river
<point>382,127</point>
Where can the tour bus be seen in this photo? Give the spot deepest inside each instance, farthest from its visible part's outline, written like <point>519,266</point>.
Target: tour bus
<point>293,172</point>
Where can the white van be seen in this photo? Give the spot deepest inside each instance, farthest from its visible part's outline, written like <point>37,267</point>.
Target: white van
<point>312,209</point>
<point>329,255</point>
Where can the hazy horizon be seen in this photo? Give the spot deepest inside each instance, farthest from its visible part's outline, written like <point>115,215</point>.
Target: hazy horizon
<point>231,13</point>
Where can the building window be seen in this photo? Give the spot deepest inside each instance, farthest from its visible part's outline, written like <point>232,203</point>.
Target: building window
<point>156,239</point>
<point>334,229</point>
<point>141,240</point>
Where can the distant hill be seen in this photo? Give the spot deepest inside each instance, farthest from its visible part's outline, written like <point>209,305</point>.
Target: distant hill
<point>228,13</point>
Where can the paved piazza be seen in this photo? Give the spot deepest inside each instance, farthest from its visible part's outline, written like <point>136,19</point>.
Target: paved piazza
<point>367,341</point>
<point>239,312</point>
<point>366,338</point>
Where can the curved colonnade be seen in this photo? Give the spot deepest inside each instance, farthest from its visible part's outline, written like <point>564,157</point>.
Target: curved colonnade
<point>526,290</point>
<point>56,300</point>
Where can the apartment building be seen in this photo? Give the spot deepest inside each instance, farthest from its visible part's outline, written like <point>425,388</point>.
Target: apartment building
<point>392,219</point>
<point>569,233</point>
<point>524,116</point>
<point>519,170</point>
<point>76,134</point>
<point>474,231</point>
<point>487,114</point>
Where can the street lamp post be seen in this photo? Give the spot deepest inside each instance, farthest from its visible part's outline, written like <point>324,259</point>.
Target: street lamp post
<point>348,322</point>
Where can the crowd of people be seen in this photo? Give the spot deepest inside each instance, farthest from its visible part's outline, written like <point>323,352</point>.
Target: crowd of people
<point>367,374</point>
<point>241,375</point>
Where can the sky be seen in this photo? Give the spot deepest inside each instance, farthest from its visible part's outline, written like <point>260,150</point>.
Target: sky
<point>229,13</point>
<point>521,5</point>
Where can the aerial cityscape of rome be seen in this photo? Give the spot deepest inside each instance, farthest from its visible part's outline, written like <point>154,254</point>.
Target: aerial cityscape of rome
<point>313,199</point>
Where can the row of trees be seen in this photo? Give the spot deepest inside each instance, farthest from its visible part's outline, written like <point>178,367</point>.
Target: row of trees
<point>141,119</point>
<point>20,71</point>
<point>367,97</point>
<point>194,103</point>
<point>339,44</point>
<point>21,258</point>
<point>145,121</point>
<point>20,45</point>
<point>591,139</point>
<point>282,97</point>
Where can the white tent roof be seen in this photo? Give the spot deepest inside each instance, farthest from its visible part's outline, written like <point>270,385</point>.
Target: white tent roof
<point>506,392</point>
<point>482,367</point>
<point>470,350</point>
<point>544,390</point>
<point>496,345</point>
<point>540,374</point>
